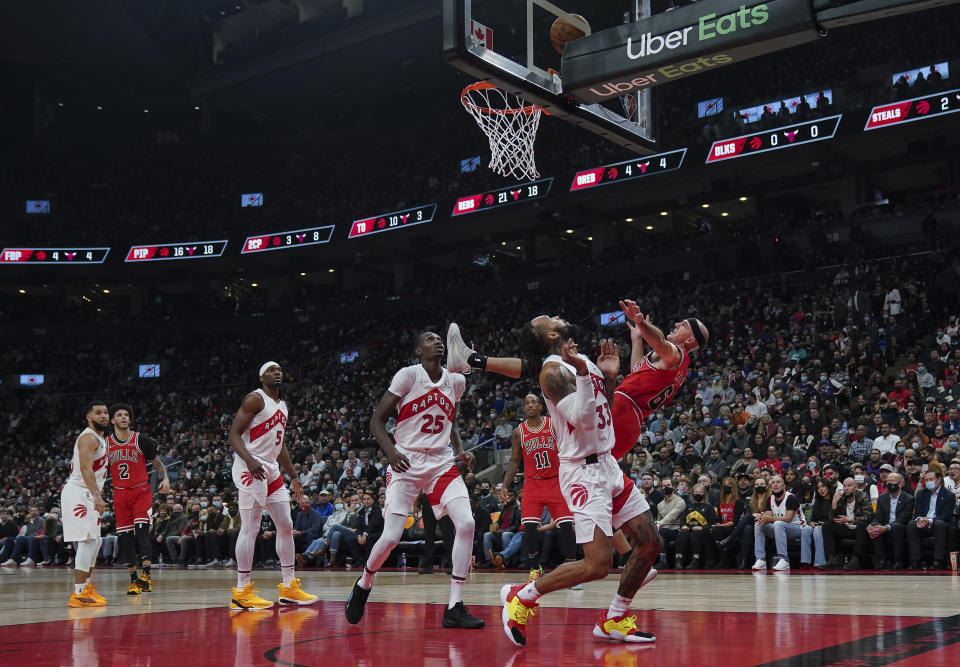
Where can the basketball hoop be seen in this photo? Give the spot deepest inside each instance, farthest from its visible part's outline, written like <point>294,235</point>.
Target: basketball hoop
<point>510,125</point>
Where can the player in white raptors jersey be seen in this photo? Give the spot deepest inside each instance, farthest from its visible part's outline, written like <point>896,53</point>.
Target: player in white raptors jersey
<point>426,397</point>
<point>81,504</point>
<point>602,499</point>
<point>256,437</point>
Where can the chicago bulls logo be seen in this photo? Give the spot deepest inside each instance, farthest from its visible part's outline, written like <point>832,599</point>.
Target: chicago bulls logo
<point>246,479</point>
<point>80,511</point>
<point>578,495</point>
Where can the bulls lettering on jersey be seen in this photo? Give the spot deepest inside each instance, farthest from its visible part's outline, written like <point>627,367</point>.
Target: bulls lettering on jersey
<point>650,388</point>
<point>539,451</point>
<point>128,459</point>
<point>426,409</point>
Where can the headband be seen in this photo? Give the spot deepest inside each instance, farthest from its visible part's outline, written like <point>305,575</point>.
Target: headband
<point>695,327</point>
<point>263,369</point>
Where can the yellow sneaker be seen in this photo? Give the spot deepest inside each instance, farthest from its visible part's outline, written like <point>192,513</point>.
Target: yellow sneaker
<point>515,614</point>
<point>293,594</point>
<point>145,582</point>
<point>621,628</point>
<point>90,592</point>
<point>84,600</point>
<point>535,573</point>
<point>133,588</point>
<point>248,599</point>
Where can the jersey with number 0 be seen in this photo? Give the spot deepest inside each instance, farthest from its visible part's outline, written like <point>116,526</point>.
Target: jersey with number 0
<point>539,451</point>
<point>574,443</point>
<point>650,388</point>
<point>426,408</point>
<point>99,461</point>
<point>264,437</point>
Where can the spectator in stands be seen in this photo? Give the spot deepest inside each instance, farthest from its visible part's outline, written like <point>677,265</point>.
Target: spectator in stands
<point>671,512</point>
<point>888,530</point>
<point>369,525</point>
<point>746,465</point>
<point>265,547</point>
<point>8,536</point>
<point>932,517</point>
<point>730,510</point>
<point>482,522</point>
<point>173,531</point>
<point>819,516</point>
<point>887,441</point>
<point>851,513</point>
<point>306,526</point>
<point>27,542</point>
<point>782,519</point>
<point>694,534</point>
<point>490,501</point>
<point>221,545</point>
<point>319,547</point>
<point>498,540</point>
<point>772,462</point>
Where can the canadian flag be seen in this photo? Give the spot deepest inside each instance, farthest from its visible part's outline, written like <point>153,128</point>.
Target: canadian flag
<point>481,34</point>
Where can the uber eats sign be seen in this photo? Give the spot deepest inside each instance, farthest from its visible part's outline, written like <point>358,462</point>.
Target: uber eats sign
<point>690,40</point>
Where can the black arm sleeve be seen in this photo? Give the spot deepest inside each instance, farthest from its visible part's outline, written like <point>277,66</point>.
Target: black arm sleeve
<point>148,446</point>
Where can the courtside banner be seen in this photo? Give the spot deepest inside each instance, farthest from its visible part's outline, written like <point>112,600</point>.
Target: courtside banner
<point>696,38</point>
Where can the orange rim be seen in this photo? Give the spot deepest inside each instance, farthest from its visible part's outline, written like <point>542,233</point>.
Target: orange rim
<point>483,85</point>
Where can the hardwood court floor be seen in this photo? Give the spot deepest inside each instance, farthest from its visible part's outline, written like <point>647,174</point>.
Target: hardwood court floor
<point>725,619</point>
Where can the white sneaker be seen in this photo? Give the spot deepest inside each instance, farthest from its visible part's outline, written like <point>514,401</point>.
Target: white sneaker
<point>8,563</point>
<point>651,575</point>
<point>782,565</point>
<point>230,563</point>
<point>761,564</point>
<point>576,587</point>
<point>28,562</point>
<point>457,351</point>
<point>213,563</point>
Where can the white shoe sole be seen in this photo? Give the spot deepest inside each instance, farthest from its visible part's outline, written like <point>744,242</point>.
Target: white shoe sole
<point>617,637</point>
<point>455,342</point>
<point>505,615</point>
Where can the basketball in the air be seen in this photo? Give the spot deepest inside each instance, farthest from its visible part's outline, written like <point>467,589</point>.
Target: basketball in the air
<point>563,31</point>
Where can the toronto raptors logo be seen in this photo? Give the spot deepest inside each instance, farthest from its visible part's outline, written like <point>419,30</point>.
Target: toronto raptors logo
<point>389,477</point>
<point>578,495</point>
<point>246,479</point>
<point>80,511</point>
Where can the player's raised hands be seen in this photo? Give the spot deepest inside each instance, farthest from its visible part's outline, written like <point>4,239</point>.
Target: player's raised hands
<point>609,359</point>
<point>569,355</point>
<point>632,311</point>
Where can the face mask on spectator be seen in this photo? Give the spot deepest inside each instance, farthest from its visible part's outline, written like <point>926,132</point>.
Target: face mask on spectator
<point>930,486</point>
<point>698,497</point>
<point>796,397</point>
<point>760,489</point>
<point>217,504</point>
<point>892,488</point>
<point>330,488</point>
<point>901,450</point>
<point>859,479</point>
<point>823,378</point>
<point>803,378</point>
<point>779,494</point>
<point>212,489</point>
<point>921,369</point>
<point>338,506</point>
<point>667,490</point>
<point>727,488</point>
<point>203,503</point>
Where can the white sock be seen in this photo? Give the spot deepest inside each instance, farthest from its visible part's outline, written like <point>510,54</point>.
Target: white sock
<point>456,591</point>
<point>619,606</point>
<point>243,578</point>
<point>366,579</point>
<point>78,588</point>
<point>287,573</point>
<point>529,593</point>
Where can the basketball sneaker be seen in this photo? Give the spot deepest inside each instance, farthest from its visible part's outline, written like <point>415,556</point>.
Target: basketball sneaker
<point>84,600</point>
<point>293,594</point>
<point>145,583</point>
<point>457,351</point>
<point>515,614</point>
<point>90,592</point>
<point>621,628</point>
<point>248,599</point>
<point>535,573</point>
<point>457,616</point>
<point>356,603</point>
<point>134,588</point>
<point>495,559</point>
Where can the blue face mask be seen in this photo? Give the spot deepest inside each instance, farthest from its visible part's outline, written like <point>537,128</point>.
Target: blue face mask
<point>217,503</point>
<point>901,450</point>
<point>203,503</point>
<point>930,486</point>
<point>803,378</point>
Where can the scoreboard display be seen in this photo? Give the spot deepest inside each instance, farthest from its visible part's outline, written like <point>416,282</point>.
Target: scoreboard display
<point>388,222</point>
<point>53,255</point>
<point>283,240</point>
<point>778,138</point>
<point>514,194</point>
<point>628,170</point>
<point>170,251</point>
<point>908,111</point>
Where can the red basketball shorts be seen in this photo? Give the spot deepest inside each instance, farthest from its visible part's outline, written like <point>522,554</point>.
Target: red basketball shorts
<point>132,506</point>
<point>540,493</point>
<point>627,424</point>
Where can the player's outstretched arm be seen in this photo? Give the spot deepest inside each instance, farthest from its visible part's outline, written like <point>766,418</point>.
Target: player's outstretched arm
<point>636,344</point>
<point>513,466</point>
<point>651,335</point>
<point>508,366</point>
<point>378,426</point>
<point>87,447</point>
<point>252,404</point>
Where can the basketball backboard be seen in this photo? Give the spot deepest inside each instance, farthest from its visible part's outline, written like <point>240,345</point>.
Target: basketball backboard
<point>507,43</point>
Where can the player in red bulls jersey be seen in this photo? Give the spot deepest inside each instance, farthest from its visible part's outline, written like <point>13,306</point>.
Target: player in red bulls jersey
<point>256,437</point>
<point>81,504</point>
<point>129,452</point>
<point>534,445</point>
<point>425,396</point>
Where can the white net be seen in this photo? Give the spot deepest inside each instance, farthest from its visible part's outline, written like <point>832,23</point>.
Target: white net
<point>510,125</point>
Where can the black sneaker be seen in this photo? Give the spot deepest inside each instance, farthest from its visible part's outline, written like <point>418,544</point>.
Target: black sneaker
<point>426,569</point>
<point>458,617</point>
<point>356,603</point>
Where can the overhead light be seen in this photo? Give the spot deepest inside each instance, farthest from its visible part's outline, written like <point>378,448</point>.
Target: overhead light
<point>99,310</point>
<point>664,212</point>
<point>628,219</point>
<point>302,273</point>
<point>503,243</point>
<point>705,205</point>
<point>724,214</point>
<point>99,108</point>
<point>59,104</point>
<point>569,231</point>
<point>196,108</point>
<point>330,270</point>
<point>254,285</point>
<point>589,238</point>
<point>743,199</point>
<point>106,291</point>
<point>146,111</point>
<point>649,228</point>
<point>518,247</point>
<point>22,291</point>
